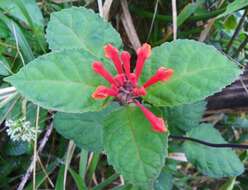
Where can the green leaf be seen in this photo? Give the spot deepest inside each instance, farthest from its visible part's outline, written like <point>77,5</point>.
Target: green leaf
<point>60,179</point>
<point>164,181</point>
<point>16,148</point>
<point>199,71</point>
<point>230,23</point>
<point>25,10</point>
<point>80,28</point>
<point>213,162</point>
<point>133,148</point>
<point>62,81</point>
<point>187,11</point>
<point>4,66</point>
<point>22,41</point>
<point>84,129</point>
<point>185,117</point>
<point>233,7</point>
<point>78,180</point>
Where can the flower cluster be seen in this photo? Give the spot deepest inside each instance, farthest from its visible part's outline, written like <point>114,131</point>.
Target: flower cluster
<point>20,130</point>
<point>124,86</point>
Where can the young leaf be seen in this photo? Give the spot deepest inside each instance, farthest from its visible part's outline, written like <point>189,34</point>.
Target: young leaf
<point>84,129</point>
<point>185,117</point>
<point>135,151</point>
<point>199,71</point>
<point>213,162</point>
<point>233,7</point>
<point>80,28</point>
<point>62,81</point>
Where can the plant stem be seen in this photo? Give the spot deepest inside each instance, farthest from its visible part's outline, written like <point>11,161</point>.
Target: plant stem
<point>237,30</point>
<point>225,145</point>
<point>41,147</point>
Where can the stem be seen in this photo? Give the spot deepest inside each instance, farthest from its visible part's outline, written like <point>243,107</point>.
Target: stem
<point>174,19</point>
<point>237,30</point>
<point>41,147</point>
<point>225,145</point>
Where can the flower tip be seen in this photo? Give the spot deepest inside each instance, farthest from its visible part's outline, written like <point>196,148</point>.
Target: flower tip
<point>164,73</point>
<point>125,56</point>
<point>145,50</point>
<point>110,50</point>
<point>100,93</point>
<point>160,126</point>
<point>96,65</point>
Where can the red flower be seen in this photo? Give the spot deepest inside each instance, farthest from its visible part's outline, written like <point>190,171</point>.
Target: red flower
<point>124,87</point>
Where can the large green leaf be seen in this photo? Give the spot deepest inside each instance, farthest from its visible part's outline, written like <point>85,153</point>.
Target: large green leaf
<point>214,162</point>
<point>185,117</point>
<point>80,28</point>
<point>84,129</point>
<point>234,6</point>
<point>199,71</point>
<point>133,148</point>
<point>62,81</point>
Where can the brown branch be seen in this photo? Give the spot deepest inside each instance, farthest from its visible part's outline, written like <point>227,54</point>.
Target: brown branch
<point>129,26</point>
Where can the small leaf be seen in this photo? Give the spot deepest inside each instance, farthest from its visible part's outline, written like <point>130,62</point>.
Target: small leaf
<point>164,181</point>
<point>80,28</point>
<point>187,11</point>
<point>84,129</point>
<point>16,148</point>
<point>4,66</point>
<point>199,71</point>
<point>213,162</point>
<point>234,6</point>
<point>135,151</point>
<point>22,41</point>
<point>62,81</point>
<point>185,117</point>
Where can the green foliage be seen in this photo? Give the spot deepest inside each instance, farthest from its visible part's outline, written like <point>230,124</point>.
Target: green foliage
<point>187,11</point>
<point>234,6</point>
<point>19,36</point>
<point>26,11</point>
<point>184,117</point>
<point>50,80</point>
<point>80,28</point>
<point>4,66</point>
<point>16,148</point>
<point>127,130</point>
<point>199,71</point>
<point>213,162</point>
<point>84,129</point>
<point>164,181</point>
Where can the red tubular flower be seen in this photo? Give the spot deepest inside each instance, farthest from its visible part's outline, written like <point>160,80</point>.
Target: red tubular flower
<point>139,91</point>
<point>113,54</point>
<point>99,69</point>
<point>103,92</point>
<point>124,85</point>
<point>125,57</point>
<point>143,53</point>
<point>157,123</point>
<point>162,74</point>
